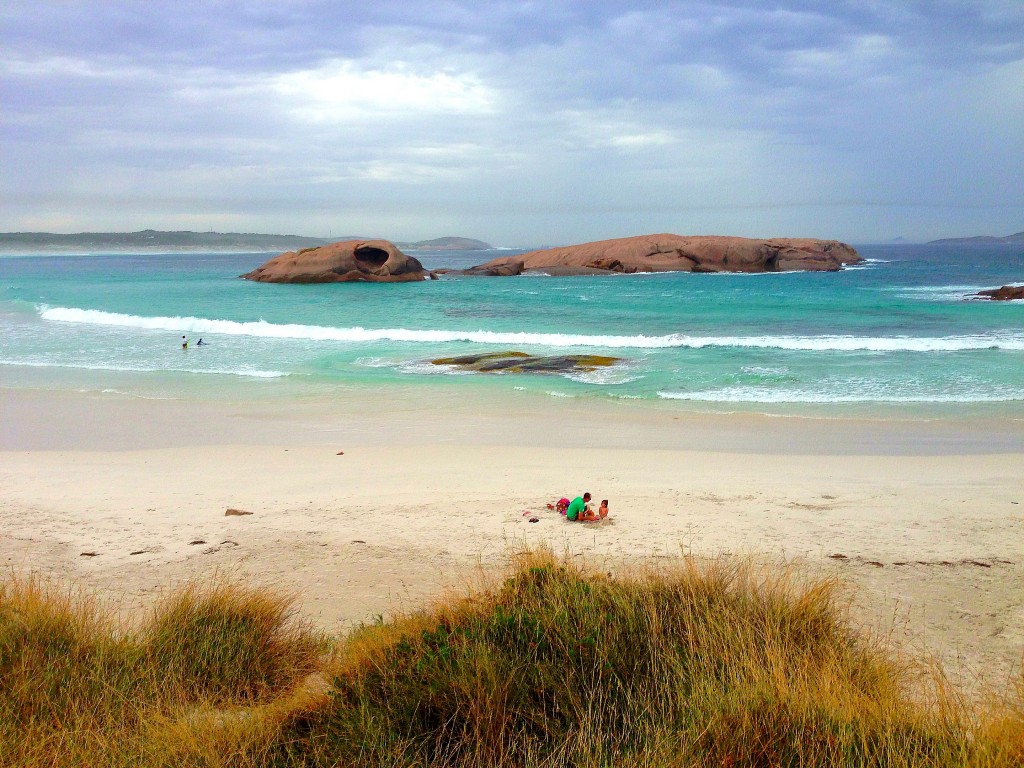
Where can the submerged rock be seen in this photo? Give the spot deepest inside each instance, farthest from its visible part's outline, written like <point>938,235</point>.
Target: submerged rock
<point>676,253</point>
<point>1004,293</point>
<point>376,261</point>
<point>520,362</point>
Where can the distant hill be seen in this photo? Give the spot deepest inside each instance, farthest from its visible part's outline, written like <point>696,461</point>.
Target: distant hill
<point>980,239</point>
<point>448,244</point>
<point>156,240</point>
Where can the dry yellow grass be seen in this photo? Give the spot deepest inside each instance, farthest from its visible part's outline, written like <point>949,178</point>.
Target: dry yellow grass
<point>717,664</point>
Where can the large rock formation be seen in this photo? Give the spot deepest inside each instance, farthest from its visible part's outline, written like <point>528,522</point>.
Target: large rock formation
<point>375,261</point>
<point>676,253</point>
<point>1004,293</point>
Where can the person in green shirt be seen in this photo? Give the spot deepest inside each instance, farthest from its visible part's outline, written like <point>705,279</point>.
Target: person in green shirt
<point>577,507</point>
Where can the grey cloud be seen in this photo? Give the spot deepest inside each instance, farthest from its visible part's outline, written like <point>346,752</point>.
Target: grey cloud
<point>573,119</point>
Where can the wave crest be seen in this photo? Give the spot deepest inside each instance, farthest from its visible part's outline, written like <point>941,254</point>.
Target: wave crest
<point>1006,340</point>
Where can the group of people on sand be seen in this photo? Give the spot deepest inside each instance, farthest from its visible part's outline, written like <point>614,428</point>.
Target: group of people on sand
<point>581,509</point>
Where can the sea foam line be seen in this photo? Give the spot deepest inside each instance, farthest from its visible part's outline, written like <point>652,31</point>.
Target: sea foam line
<point>757,395</point>
<point>1007,340</point>
<point>248,373</point>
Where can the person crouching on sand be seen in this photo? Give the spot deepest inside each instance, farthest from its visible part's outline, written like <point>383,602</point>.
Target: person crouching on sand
<point>578,507</point>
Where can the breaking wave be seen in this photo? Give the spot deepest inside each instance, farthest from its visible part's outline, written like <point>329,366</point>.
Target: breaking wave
<point>1005,340</point>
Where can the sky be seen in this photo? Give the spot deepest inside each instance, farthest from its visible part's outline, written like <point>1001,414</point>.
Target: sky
<point>519,123</point>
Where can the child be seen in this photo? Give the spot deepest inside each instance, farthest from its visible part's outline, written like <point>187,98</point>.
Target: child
<point>590,516</point>
<point>560,506</point>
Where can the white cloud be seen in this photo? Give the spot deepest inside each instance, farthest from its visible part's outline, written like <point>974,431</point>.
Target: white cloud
<point>342,90</point>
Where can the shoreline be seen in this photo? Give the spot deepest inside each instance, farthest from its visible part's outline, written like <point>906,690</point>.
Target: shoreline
<point>928,523</point>
<point>61,419</point>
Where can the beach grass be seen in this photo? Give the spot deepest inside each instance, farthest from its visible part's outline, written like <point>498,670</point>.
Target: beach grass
<point>80,687</point>
<point>716,663</point>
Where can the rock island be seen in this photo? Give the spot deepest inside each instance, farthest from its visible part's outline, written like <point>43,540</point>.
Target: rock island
<point>678,253</point>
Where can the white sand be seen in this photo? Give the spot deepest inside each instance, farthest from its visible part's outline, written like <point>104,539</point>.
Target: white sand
<point>933,538</point>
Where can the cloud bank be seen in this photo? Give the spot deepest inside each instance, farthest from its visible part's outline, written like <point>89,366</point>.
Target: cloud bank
<point>517,122</point>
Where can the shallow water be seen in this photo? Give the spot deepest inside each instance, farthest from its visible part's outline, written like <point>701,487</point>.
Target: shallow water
<point>897,336</point>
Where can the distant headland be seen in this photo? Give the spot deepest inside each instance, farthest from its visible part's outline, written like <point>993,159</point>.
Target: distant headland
<point>447,244</point>
<point>157,240</point>
<point>981,240</point>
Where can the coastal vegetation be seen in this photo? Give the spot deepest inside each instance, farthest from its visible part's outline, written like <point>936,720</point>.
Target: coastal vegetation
<point>721,663</point>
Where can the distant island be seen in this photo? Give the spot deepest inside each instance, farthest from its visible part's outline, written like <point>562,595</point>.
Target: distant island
<point>448,244</point>
<point>157,240</point>
<point>981,240</point>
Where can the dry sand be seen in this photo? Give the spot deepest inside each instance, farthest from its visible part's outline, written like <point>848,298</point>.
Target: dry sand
<point>924,520</point>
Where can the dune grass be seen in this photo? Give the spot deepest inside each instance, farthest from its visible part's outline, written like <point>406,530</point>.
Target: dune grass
<point>77,687</point>
<point>720,664</point>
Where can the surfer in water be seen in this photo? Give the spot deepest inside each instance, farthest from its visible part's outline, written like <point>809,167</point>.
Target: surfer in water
<point>184,343</point>
<point>201,343</point>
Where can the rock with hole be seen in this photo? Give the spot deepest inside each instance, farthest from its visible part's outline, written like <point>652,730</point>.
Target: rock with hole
<point>375,261</point>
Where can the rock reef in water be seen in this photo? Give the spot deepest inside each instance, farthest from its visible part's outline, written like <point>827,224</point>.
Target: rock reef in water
<point>520,362</point>
<point>375,261</point>
<point>676,253</point>
<point>1004,293</point>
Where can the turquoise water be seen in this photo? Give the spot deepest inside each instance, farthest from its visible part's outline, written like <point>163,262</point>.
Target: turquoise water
<point>894,336</point>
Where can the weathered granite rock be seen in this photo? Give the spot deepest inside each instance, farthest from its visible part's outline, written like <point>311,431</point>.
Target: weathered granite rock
<point>520,362</point>
<point>1005,293</point>
<point>676,253</point>
<point>504,269</point>
<point>375,261</point>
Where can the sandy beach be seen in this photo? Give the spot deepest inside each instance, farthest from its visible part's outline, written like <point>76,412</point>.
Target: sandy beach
<point>923,520</point>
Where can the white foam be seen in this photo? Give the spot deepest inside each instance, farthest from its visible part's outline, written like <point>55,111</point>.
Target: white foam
<point>376,362</point>
<point>764,370</point>
<point>1007,340</point>
<point>427,368</point>
<point>937,292</point>
<point>607,376</point>
<point>249,373</point>
<point>762,395</point>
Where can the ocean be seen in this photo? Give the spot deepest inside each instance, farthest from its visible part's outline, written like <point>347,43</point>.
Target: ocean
<point>896,337</point>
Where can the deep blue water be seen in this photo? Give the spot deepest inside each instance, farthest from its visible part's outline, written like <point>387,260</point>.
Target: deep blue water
<point>897,335</point>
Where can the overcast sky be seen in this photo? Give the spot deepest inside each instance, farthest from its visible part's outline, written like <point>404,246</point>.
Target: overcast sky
<point>520,123</point>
